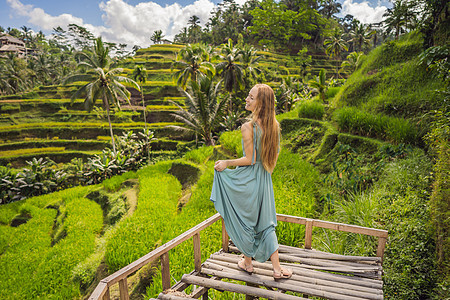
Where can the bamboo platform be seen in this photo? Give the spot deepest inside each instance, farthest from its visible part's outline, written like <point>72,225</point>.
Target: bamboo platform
<point>315,273</point>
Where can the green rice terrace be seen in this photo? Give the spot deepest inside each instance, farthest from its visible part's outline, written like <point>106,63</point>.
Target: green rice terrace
<point>369,149</point>
<point>47,123</point>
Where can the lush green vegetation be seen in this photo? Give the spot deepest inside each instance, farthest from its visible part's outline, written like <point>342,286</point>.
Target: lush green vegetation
<point>370,151</point>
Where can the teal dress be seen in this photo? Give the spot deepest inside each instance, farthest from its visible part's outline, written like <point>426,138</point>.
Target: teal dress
<point>245,200</point>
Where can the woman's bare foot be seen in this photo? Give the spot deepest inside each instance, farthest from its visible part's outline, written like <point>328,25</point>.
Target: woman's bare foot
<point>245,267</point>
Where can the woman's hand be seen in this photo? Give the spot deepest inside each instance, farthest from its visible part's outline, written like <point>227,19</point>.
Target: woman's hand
<point>220,165</point>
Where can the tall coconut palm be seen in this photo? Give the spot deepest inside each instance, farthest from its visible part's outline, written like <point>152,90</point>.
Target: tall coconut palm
<point>335,45</point>
<point>229,69</point>
<point>104,82</point>
<point>194,29</point>
<point>329,7</point>
<point>204,109</point>
<point>360,37</point>
<point>250,59</point>
<point>140,74</point>
<point>157,36</point>
<point>395,18</point>
<point>26,35</point>
<point>193,63</point>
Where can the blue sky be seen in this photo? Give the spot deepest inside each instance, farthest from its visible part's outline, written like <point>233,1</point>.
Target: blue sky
<point>133,21</point>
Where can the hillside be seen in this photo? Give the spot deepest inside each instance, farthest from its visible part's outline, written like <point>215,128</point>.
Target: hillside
<point>44,122</point>
<point>338,162</point>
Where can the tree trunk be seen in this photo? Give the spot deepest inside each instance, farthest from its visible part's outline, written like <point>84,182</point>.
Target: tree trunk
<point>110,125</point>
<point>143,106</point>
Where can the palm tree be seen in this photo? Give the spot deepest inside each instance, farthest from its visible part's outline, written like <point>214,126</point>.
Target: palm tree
<point>335,45</point>
<point>103,81</point>
<point>45,70</point>
<point>183,36</point>
<point>250,59</point>
<point>320,83</point>
<point>204,109</point>
<point>229,69</point>
<point>194,21</point>
<point>193,63</point>
<point>395,18</point>
<point>329,8</point>
<point>140,74</point>
<point>15,76</point>
<point>361,36</point>
<point>352,62</point>
<point>194,28</point>
<point>26,33</point>
<point>157,36</point>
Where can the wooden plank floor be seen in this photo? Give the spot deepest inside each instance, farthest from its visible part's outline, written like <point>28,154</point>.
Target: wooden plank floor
<point>315,273</point>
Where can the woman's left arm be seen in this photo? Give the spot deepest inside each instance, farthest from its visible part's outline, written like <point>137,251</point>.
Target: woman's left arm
<point>247,137</point>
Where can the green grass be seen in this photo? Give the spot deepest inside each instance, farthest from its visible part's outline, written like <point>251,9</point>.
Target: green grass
<point>199,155</point>
<point>398,130</point>
<point>391,81</point>
<point>142,231</point>
<point>232,142</point>
<point>30,267</point>
<point>311,110</point>
<point>84,125</point>
<point>20,152</point>
<point>295,183</point>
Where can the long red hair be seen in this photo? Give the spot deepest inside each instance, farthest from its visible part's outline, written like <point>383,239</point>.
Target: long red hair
<point>265,113</point>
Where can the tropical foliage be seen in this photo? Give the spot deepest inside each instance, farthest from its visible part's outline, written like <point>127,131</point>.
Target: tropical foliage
<point>43,176</point>
<point>104,82</point>
<point>193,62</point>
<point>204,109</point>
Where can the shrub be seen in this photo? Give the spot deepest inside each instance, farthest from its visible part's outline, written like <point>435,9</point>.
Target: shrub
<point>311,110</point>
<point>43,177</point>
<point>404,191</point>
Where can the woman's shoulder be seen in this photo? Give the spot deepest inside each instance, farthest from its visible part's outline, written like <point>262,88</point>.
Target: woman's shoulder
<point>247,125</point>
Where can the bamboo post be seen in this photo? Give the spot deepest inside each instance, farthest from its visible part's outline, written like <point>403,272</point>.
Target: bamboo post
<point>123,287</point>
<point>197,252</point>
<point>165,271</point>
<point>205,295</point>
<point>308,233</point>
<point>381,246</point>
<point>225,238</point>
<point>107,296</point>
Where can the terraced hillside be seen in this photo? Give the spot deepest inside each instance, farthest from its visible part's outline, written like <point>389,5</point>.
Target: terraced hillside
<point>44,122</point>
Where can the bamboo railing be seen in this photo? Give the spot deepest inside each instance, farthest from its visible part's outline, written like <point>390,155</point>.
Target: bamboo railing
<point>102,289</point>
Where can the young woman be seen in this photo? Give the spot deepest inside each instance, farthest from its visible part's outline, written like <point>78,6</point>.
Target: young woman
<point>244,196</point>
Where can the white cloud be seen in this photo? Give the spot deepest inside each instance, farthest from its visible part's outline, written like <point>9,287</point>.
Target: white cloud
<point>39,17</point>
<point>124,23</point>
<point>135,24</point>
<point>363,11</point>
